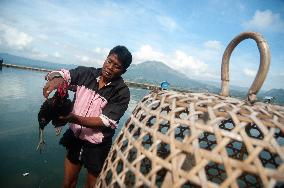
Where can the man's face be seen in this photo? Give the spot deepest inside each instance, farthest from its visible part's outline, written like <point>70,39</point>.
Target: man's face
<point>112,68</point>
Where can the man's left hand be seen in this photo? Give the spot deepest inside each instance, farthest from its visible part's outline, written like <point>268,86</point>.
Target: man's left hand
<point>70,118</point>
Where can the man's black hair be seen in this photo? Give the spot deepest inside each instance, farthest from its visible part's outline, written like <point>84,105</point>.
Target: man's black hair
<point>123,55</point>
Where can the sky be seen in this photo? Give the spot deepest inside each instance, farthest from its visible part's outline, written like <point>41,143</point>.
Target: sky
<point>189,36</point>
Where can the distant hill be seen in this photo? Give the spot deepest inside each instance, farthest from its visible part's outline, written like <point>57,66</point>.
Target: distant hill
<point>233,87</point>
<point>17,60</point>
<point>155,72</point>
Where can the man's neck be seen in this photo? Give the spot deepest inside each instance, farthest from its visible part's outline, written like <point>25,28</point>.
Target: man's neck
<point>103,82</point>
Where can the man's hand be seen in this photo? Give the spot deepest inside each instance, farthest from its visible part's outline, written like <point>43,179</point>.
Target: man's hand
<point>70,118</point>
<point>51,85</point>
<point>58,130</point>
<point>89,122</point>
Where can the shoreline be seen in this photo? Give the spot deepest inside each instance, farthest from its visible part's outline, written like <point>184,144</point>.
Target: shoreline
<point>25,67</point>
<point>129,83</point>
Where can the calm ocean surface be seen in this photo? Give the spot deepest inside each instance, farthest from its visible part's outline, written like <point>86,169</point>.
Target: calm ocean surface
<point>20,100</point>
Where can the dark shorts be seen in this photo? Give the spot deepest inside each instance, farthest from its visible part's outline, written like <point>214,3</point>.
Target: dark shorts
<point>92,156</point>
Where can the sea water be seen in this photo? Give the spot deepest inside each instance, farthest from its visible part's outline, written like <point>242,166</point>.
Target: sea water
<point>20,164</point>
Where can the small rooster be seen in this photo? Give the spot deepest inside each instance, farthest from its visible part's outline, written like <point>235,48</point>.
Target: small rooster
<point>51,110</point>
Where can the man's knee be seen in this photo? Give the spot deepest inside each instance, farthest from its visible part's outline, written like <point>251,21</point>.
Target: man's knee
<point>71,174</point>
<point>91,180</point>
<point>69,183</point>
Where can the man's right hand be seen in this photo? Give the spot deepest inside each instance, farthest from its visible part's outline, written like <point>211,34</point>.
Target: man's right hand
<point>51,85</point>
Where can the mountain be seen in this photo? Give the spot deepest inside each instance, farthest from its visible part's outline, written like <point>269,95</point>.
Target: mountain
<point>17,60</point>
<point>155,72</point>
<point>218,84</point>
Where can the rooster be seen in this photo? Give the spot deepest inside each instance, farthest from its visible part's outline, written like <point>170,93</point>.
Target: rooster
<point>51,110</point>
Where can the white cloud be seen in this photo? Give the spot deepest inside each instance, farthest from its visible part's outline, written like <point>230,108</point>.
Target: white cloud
<point>35,53</point>
<point>101,51</point>
<point>167,22</point>
<point>57,54</point>
<point>86,60</point>
<point>249,72</point>
<point>83,58</point>
<point>14,38</point>
<point>98,50</point>
<point>213,45</point>
<point>265,20</point>
<point>179,60</point>
<point>42,36</point>
<point>99,55</point>
<point>189,64</point>
<point>147,53</point>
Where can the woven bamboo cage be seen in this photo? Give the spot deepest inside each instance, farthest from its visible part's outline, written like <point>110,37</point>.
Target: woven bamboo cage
<point>186,139</point>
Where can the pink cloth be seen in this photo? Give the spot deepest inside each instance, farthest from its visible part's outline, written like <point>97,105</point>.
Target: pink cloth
<point>88,104</point>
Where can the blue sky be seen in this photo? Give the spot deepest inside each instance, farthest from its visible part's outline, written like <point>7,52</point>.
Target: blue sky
<point>189,36</point>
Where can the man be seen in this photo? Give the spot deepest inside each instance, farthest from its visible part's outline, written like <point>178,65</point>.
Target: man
<point>101,98</point>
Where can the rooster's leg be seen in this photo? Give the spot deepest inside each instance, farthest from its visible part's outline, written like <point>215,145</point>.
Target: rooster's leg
<point>41,142</point>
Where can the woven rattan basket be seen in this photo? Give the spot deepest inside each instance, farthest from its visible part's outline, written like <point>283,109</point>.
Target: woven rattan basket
<point>185,139</point>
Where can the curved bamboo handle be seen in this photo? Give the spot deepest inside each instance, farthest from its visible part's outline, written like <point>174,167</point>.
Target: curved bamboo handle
<point>262,70</point>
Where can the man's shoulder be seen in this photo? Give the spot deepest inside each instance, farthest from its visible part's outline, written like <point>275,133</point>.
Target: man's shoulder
<point>120,85</point>
<point>120,82</point>
<point>91,70</point>
<point>87,68</point>
<point>123,87</point>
